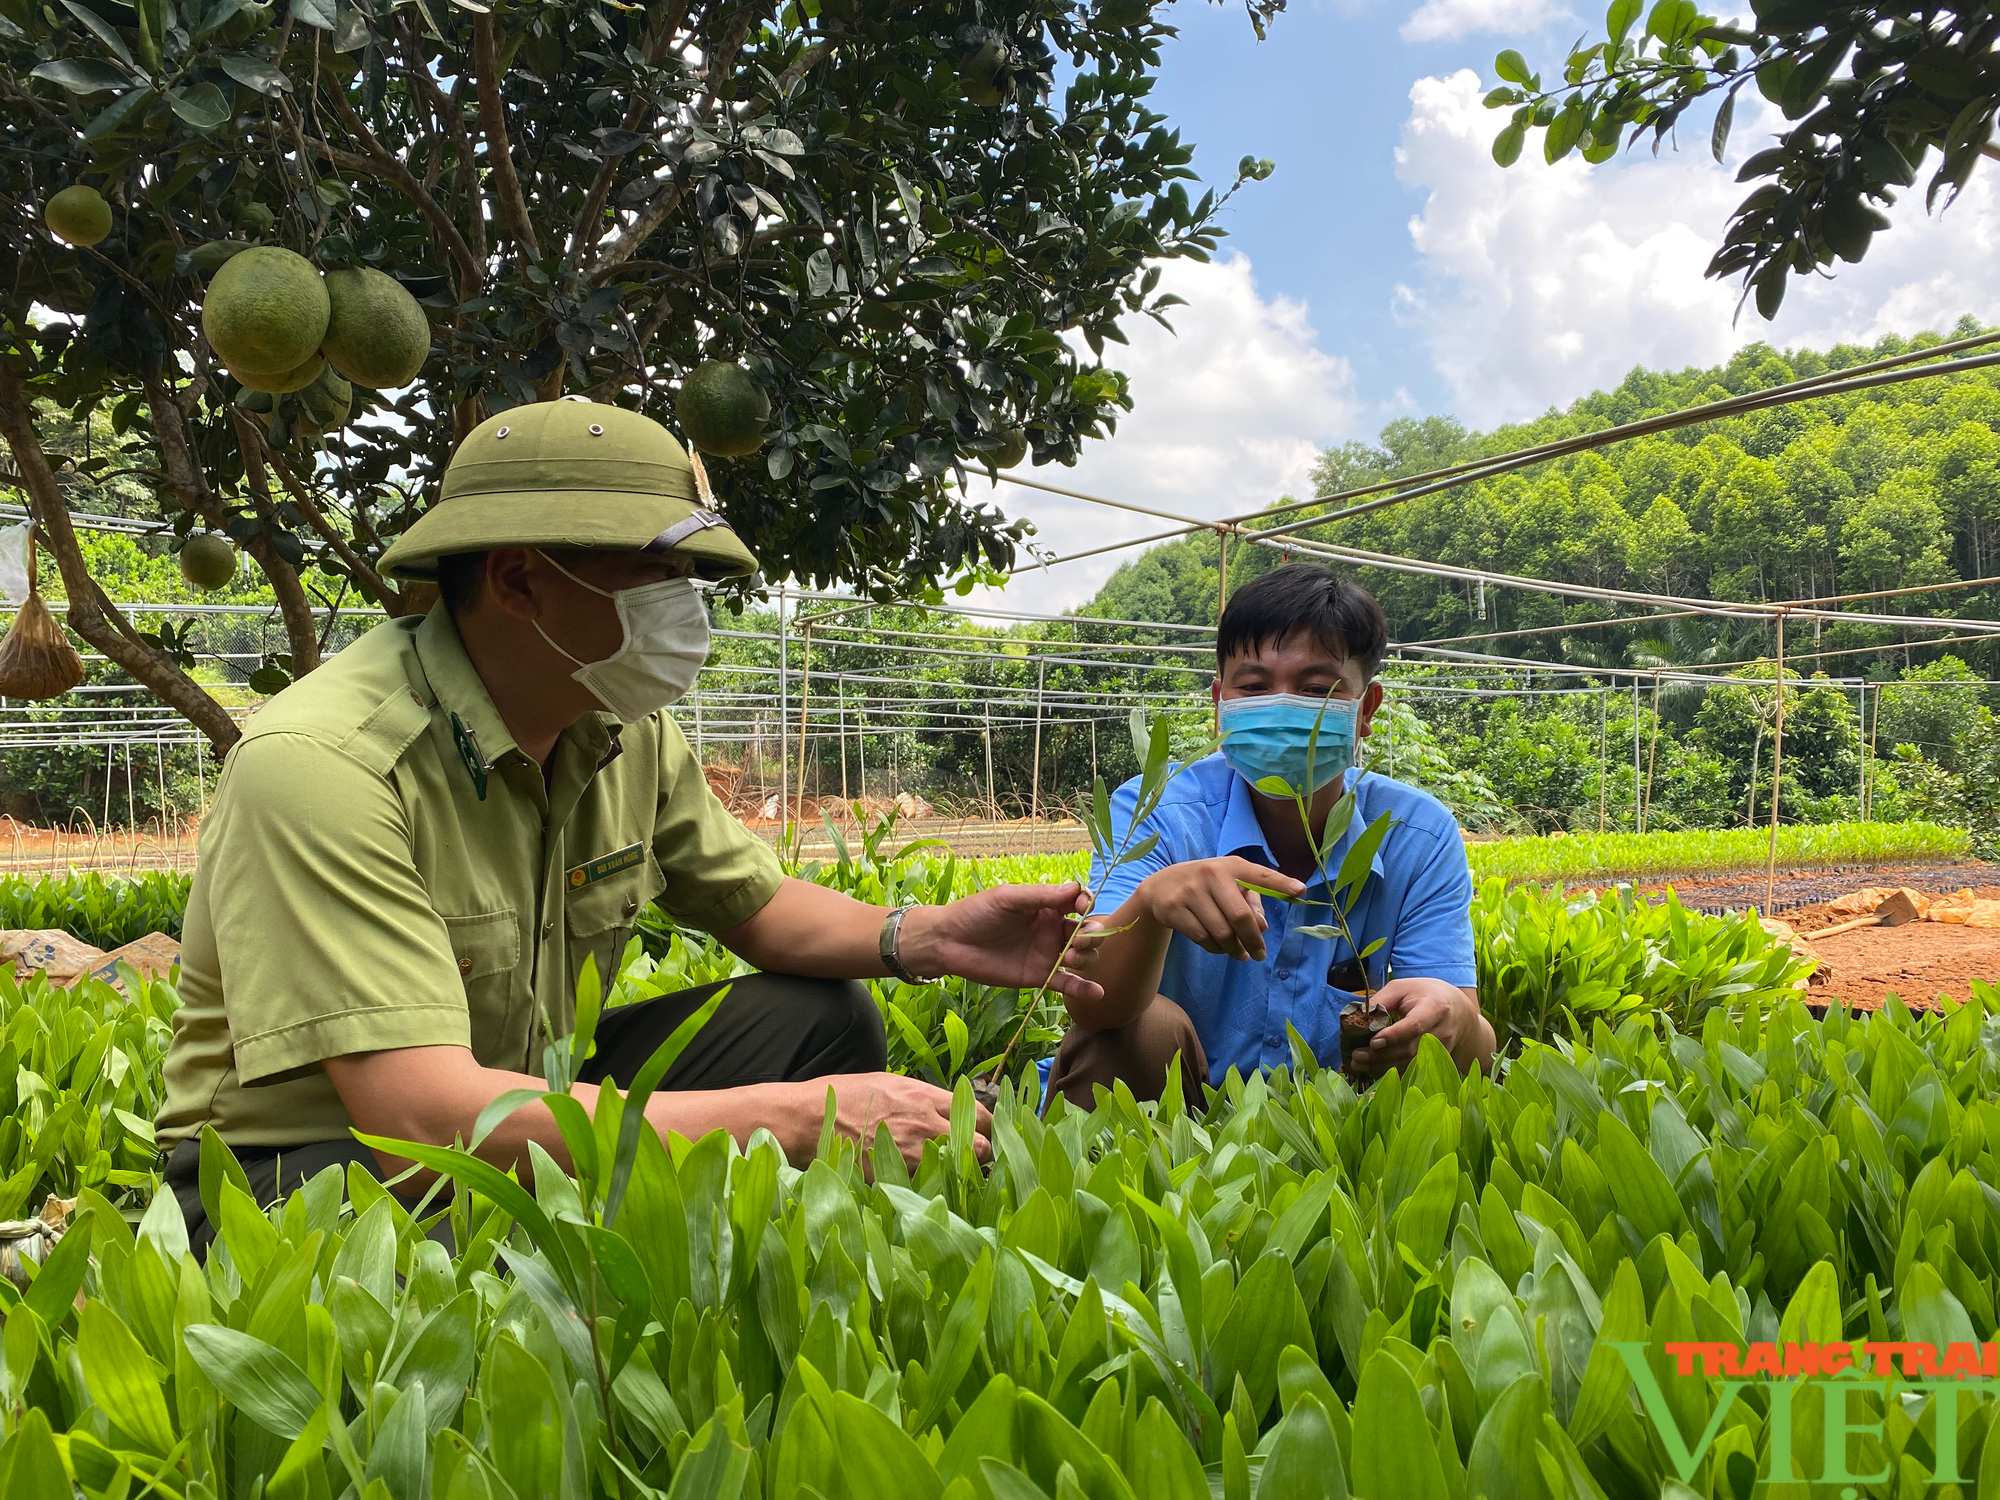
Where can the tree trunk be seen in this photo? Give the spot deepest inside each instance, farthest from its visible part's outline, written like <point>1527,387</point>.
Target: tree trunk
<point>91,614</point>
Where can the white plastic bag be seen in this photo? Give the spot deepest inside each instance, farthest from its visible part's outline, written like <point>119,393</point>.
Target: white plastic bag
<point>14,564</point>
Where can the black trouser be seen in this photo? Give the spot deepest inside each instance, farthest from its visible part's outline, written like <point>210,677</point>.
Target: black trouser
<point>772,1028</point>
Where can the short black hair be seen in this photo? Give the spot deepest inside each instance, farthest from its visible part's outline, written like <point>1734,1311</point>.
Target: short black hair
<point>1343,617</point>
<point>461,580</point>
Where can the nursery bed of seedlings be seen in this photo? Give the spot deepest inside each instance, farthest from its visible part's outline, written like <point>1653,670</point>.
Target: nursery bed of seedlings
<point>1442,1287</point>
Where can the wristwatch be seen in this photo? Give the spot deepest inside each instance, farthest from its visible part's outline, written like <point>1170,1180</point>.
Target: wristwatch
<point>886,945</point>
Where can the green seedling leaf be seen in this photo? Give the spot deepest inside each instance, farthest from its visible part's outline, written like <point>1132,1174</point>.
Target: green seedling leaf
<point>123,1379</point>
<point>1277,786</point>
<point>632,1122</point>
<point>1249,885</point>
<point>255,1378</point>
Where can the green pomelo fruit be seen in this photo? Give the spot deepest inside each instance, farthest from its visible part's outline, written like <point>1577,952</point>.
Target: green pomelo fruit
<point>208,562</point>
<point>266,313</point>
<point>295,379</point>
<point>377,334</point>
<point>979,75</point>
<point>1015,450</point>
<point>255,218</point>
<point>721,410</point>
<point>212,257</point>
<point>248,21</point>
<point>325,404</point>
<point>79,215</point>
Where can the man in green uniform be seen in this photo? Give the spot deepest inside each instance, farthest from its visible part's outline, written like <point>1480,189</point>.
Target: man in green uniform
<point>415,852</point>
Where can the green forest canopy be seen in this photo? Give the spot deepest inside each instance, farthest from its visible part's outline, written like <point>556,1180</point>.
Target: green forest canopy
<point>1883,489</point>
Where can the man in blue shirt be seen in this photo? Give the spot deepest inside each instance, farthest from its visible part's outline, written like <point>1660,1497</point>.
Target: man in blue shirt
<point>1197,963</point>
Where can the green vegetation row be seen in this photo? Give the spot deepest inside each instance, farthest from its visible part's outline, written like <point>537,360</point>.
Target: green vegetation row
<point>1608,856</point>
<point>1412,1292</point>
<point>80,1069</point>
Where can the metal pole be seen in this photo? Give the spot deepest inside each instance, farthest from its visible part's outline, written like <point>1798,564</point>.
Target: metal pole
<point>1777,768</point>
<point>160,762</point>
<point>1035,781</point>
<point>805,702</point>
<point>784,707</point>
<point>697,727</point>
<point>1861,755</point>
<point>110,769</point>
<point>992,803</point>
<point>1652,753</point>
<point>1636,805</point>
<point>1093,752</point>
<point>1874,724</point>
<point>131,809</point>
<point>200,778</point>
<point>840,686</point>
<point>1603,752</point>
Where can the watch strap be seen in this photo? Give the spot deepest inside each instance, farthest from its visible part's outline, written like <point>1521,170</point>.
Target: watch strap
<point>887,944</point>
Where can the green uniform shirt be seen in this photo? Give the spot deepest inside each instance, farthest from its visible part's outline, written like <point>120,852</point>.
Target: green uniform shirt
<point>355,893</point>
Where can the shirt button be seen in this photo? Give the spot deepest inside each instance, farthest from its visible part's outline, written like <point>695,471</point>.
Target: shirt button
<point>547,928</point>
<point>631,907</point>
<point>465,966</point>
<point>1284,973</point>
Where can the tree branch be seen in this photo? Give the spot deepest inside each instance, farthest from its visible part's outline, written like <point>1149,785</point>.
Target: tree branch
<point>657,42</point>
<point>293,606</point>
<point>370,582</point>
<point>377,162</point>
<point>493,125</point>
<point>91,614</point>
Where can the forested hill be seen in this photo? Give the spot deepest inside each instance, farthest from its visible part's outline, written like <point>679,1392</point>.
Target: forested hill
<point>1881,489</point>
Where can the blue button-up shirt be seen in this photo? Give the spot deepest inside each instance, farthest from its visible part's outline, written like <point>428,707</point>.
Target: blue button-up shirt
<point>1419,898</point>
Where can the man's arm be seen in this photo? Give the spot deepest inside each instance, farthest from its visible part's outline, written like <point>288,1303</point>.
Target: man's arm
<point>1005,935</point>
<point>434,1095</point>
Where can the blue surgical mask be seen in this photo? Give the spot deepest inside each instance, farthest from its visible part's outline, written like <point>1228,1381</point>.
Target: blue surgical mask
<point>1269,735</point>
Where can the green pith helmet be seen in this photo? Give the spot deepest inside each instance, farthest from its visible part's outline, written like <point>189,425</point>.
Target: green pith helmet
<point>569,474</point>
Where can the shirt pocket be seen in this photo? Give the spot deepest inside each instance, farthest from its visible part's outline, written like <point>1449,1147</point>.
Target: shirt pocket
<point>486,946</point>
<point>599,917</point>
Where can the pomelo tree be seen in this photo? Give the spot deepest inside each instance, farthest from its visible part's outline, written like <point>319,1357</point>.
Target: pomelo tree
<point>890,217</point>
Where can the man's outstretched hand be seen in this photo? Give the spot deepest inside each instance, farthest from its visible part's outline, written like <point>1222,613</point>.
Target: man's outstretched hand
<point>1006,935</point>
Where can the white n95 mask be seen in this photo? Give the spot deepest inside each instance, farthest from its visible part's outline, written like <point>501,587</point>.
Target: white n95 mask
<point>666,642</point>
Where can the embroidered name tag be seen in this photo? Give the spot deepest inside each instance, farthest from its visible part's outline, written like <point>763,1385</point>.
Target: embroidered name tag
<point>606,864</point>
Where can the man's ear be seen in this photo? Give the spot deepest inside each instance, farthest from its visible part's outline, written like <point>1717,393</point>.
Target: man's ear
<point>1371,702</point>
<point>514,582</point>
<point>1215,689</point>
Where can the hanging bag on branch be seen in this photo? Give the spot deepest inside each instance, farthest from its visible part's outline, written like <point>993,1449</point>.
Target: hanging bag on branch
<point>36,658</point>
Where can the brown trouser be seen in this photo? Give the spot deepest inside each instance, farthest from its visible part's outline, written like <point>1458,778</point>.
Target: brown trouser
<point>1137,1052</point>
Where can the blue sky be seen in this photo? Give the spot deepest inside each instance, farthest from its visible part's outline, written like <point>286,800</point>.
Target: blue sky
<point>1389,268</point>
<point>1325,96</point>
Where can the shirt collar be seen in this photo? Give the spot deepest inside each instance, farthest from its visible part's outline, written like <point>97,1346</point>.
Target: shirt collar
<point>1242,834</point>
<point>457,688</point>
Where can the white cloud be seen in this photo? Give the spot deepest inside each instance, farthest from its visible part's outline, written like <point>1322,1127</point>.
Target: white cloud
<point>1448,20</point>
<point>1229,412</point>
<point>1544,283</point>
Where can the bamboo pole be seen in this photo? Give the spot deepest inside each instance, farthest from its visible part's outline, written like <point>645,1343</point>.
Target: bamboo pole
<point>1777,770</point>
<point>1868,808</point>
